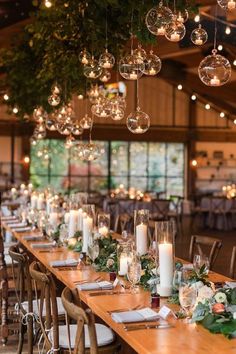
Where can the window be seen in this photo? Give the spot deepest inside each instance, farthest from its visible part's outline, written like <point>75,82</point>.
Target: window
<point>155,167</point>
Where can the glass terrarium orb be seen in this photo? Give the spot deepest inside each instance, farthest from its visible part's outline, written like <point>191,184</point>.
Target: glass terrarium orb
<point>86,122</point>
<point>138,122</point>
<point>84,57</point>
<point>182,16</point>
<point>227,4</point>
<point>69,142</point>
<point>117,113</point>
<point>56,89</point>
<point>90,152</point>
<point>64,128</point>
<point>93,92</point>
<point>77,129</point>
<point>175,31</point>
<point>92,70</point>
<point>51,124</point>
<point>118,100</point>
<point>199,36</point>
<point>54,100</point>
<point>157,19</point>
<point>152,64</point>
<point>39,135</point>
<point>39,114</point>
<point>102,108</point>
<point>214,70</point>
<point>105,76</point>
<point>129,68</point>
<point>33,141</point>
<point>140,54</point>
<point>106,60</point>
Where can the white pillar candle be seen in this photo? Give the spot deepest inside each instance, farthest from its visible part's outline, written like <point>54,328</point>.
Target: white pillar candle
<point>13,191</point>
<point>123,264</point>
<point>87,232</point>
<point>141,239</point>
<point>73,222</point>
<point>80,219</point>
<point>66,218</point>
<point>22,187</point>
<point>34,201</point>
<point>166,268</point>
<point>53,219</point>
<point>30,187</point>
<point>40,202</point>
<point>103,230</point>
<point>48,206</point>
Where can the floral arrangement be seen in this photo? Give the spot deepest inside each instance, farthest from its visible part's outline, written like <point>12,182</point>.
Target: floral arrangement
<point>216,310</point>
<point>75,243</point>
<point>107,259</point>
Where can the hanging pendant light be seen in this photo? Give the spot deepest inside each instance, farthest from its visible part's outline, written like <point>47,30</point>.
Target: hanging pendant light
<point>158,18</point>
<point>90,152</point>
<point>117,113</point>
<point>106,60</point>
<point>214,70</point>
<point>182,16</point>
<point>152,64</point>
<point>54,100</point>
<point>86,122</point>
<point>105,76</point>
<point>77,129</point>
<point>69,142</point>
<point>140,54</point>
<point>129,68</point>
<point>51,124</point>
<point>92,70</point>
<point>227,4</point>
<point>175,31</point>
<point>84,57</point>
<point>199,35</point>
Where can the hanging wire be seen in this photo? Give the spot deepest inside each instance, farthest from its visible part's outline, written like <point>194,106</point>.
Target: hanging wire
<point>137,93</point>
<point>86,96</point>
<point>215,30</point>
<point>106,44</point>
<point>131,30</point>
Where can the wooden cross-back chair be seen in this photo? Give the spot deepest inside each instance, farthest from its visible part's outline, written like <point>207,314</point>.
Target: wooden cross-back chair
<point>86,330</point>
<point>55,335</point>
<point>123,222</point>
<point>232,263</point>
<point>24,296</point>
<point>160,209</point>
<point>3,292</point>
<point>200,244</point>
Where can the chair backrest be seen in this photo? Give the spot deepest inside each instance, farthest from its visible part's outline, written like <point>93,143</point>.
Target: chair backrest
<point>232,263</point>
<point>151,230</point>
<point>82,317</point>
<point>127,207</point>
<point>21,277</point>
<point>218,204</point>
<point>160,208</point>
<point>123,222</point>
<point>202,244</point>
<point>45,291</point>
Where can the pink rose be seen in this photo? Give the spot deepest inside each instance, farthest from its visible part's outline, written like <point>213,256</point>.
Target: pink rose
<point>218,308</point>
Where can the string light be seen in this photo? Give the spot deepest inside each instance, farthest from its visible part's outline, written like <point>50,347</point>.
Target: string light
<point>207,106</point>
<point>227,30</point>
<point>197,18</point>
<point>235,121</point>
<point>234,62</point>
<point>26,159</point>
<point>15,110</point>
<point>220,47</point>
<point>48,4</point>
<point>193,97</point>
<point>6,97</point>
<point>179,87</point>
<point>194,163</point>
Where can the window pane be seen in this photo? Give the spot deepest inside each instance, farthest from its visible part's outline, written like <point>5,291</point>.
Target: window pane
<point>119,158</point>
<point>139,183</point>
<point>175,186</point>
<point>157,159</point>
<point>79,184</point>
<point>39,163</point>
<point>39,181</point>
<point>59,157</point>
<point>99,184</point>
<point>116,181</point>
<point>175,160</point>
<point>59,183</point>
<point>156,184</point>
<point>99,167</point>
<point>77,166</point>
<point>138,159</point>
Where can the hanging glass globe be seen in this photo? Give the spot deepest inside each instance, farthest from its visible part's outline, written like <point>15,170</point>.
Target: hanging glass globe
<point>51,124</point>
<point>92,70</point>
<point>140,54</point>
<point>39,135</point>
<point>158,18</point>
<point>64,128</point>
<point>182,16</point>
<point>175,31</point>
<point>117,113</point>
<point>199,36</point>
<point>138,122</point>
<point>84,57</point>
<point>54,100</point>
<point>227,4</point>
<point>90,152</point>
<point>39,115</point>
<point>214,70</point>
<point>105,76</point>
<point>33,141</point>
<point>102,108</point>
<point>106,60</point>
<point>152,64</point>
<point>56,89</point>
<point>129,68</point>
<point>77,129</point>
<point>93,92</point>
<point>86,122</point>
<point>69,142</point>
<point>118,100</point>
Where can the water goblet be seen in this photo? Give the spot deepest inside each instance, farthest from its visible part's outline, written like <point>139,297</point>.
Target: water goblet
<point>134,274</point>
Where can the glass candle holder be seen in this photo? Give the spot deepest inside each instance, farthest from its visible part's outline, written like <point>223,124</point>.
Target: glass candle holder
<point>88,224</point>
<point>103,224</point>
<point>164,233</point>
<point>141,218</point>
<point>124,256</point>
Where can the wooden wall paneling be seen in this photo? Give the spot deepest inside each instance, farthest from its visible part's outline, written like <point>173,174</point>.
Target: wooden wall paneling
<point>181,108</point>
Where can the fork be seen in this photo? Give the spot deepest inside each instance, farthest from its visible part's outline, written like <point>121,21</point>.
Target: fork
<point>88,281</point>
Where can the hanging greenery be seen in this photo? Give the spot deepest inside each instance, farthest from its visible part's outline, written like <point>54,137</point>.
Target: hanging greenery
<point>48,48</point>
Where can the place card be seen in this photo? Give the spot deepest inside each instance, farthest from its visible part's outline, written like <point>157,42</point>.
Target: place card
<point>166,312</point>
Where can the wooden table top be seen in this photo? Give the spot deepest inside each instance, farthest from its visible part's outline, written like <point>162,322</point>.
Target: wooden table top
<point>181,339</point>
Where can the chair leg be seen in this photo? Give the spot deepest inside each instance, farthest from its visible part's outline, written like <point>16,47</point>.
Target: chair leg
<point>30,336</point>
<point>21,339</point>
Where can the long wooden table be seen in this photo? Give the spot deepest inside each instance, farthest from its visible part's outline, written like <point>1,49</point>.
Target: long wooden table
<point>181,339</point>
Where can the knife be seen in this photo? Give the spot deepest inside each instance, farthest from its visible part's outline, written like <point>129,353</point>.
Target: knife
<point>140,327</point>
<point>100,293</point>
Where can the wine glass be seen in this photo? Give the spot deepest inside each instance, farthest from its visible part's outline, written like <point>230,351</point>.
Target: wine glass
<point>134,274</point>
<point>93,249</point>
<point>64,234</point>
<point>199,260</point>
<point>187,298</point>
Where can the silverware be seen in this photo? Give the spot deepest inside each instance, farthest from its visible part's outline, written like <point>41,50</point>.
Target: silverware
<point>104,292</point>
<point>88,280</point>
<point>138,307</point>
<point>146,326</point>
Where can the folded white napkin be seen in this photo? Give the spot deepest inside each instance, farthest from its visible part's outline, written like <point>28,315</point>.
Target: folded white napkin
<point>9,218</point>
<point>42,245</point>
<point>17,224</point>
<point>102,285</point>
<point>21,229</point>
<point>64,263</point>
<point>231,284</point>
<point>188,266</point>
<point>33,237</point>
<point>145,314</point>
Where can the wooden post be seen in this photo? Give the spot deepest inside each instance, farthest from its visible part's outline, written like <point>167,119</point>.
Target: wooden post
<point>191,149</point>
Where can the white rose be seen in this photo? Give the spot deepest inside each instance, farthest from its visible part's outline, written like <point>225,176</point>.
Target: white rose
<point>220,297</point>
<point>205,292</point>
<point>198,285</point>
